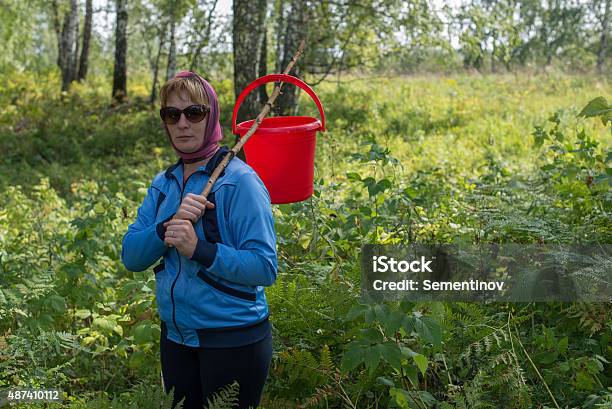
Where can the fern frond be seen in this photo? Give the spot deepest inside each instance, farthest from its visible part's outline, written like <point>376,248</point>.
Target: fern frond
<point>319,396</point>
<point>224,398</point>
<point>326,362</point>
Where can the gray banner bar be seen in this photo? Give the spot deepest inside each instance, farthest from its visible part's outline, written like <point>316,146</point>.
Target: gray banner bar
<point>504,273</point>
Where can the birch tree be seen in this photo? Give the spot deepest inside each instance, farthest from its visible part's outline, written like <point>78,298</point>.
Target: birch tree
<point>120,71</point>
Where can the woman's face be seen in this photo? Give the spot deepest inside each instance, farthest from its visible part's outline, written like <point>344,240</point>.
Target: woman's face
<point>186,136</point>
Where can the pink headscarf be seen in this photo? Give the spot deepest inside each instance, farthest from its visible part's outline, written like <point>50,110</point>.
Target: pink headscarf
<point>212,133</point>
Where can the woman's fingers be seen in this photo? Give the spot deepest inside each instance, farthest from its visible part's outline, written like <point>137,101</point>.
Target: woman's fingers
<point>193,207</point>
<point>185,215</point>
<point>190,201</point>
<point>177,227</point>
<point>200,199</point>
<point>197,210</point>
<point>175,233</point>
<point>180,234</point>
<point>189,212</point>
<point>174,224</point>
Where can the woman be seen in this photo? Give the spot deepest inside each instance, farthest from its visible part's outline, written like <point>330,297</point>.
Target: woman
<point>209,285</point>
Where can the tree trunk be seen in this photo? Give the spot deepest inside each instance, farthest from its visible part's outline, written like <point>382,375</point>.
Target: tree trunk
<point>75,57</point>
<point>296,28</point>
<point>162,40</point>
<point>120,72</point>
<point>67,49</point>
<point>603,41</point>
<point>263,65</point>
<point>248,33</point>
<point>171,67</point>
<point>58,30</point>
<point>280,29</point>
<point>86,38</point>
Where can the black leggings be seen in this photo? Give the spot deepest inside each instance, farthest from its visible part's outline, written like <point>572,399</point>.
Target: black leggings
<point>196,373</point>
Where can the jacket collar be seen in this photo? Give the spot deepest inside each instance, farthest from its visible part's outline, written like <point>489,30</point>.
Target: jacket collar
<point>176,170</point>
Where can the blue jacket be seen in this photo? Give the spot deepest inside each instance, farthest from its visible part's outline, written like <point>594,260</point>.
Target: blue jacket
<point>215,298</point>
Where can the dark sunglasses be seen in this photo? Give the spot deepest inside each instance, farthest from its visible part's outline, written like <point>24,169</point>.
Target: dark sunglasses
<point>193,113</point>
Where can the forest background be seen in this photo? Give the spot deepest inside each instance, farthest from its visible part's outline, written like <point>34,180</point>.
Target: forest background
<point>466,121</point>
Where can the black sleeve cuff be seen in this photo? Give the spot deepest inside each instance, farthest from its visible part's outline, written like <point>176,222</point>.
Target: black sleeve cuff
<point>161,230</point>
<point>205,253</point>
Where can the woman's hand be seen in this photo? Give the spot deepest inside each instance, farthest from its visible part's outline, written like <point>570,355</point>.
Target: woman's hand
<point>193,207</point>
<point>180,234</point>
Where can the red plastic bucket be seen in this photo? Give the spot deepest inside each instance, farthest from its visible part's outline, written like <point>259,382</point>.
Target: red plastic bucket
<point>282,150</point>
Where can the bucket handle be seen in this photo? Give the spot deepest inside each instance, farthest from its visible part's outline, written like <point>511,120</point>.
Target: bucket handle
<point>273,78</point>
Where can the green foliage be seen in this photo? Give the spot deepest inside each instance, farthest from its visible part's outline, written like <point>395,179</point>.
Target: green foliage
<point>598,107</point>
<point>302,373</point>
<point>405,160</point>
<point>142,395</point>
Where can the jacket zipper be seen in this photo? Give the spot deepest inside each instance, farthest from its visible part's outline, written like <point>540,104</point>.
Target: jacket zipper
<point>178,255</point>
<point>172,297</point>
